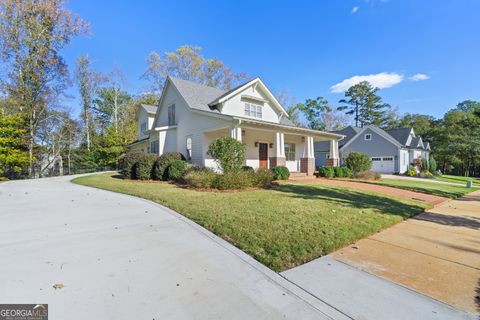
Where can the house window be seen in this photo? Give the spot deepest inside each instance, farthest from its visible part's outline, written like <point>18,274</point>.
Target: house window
<point>143,127</point>
<point>289,151</point>
<point>253,110</point>
<point>377,159</point>
<point>368,136</point>
<point>189,148</point>
<point>154,146</point>
<point>387,158</point>
<point>171,115</point>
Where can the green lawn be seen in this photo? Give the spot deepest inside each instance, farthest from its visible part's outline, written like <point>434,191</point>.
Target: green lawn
<point>281,227</point>
<point>458,179</point>
<point>443,190</point>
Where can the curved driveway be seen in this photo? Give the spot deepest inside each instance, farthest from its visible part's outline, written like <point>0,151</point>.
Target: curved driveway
<point>119,257</point>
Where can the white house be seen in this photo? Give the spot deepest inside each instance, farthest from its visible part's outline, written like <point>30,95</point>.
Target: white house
<point>190,116</point>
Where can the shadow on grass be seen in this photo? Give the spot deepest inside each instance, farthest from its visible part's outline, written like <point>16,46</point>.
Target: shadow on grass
<point>450,220</point>
<point>352,199</point>
<point>118,176</point>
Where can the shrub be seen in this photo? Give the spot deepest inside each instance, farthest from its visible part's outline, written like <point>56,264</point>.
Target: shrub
<point>234,180</point>
<point>368,175</point>
<point>426,174</point>
<point>162,163</point>
<point>200,178</point>
<point>411,172</point>
<point>327,172</point>
<point>264,177</point>
<point>176,170</point>
<point>228,153</point>
<point>343,172</point>
<point>358,162</point>
<point>432,165</point>
<point>424,165</point>
<point>143,168</point>
<point>127,162</point>
<point>248,168</point>
<point>280,173</point>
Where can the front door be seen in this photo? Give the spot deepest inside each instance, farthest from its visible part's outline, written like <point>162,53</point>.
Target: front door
<point>263,155</point>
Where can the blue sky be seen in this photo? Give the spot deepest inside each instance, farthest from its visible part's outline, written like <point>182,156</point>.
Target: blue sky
<point>302,47</point>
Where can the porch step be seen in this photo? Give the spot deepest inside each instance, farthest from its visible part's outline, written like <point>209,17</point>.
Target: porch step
<point>297,176</point>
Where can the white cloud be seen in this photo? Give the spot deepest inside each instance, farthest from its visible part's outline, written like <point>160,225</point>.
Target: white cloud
<point>380,80</point>
<point>355,9</point>
<point>419,77</point>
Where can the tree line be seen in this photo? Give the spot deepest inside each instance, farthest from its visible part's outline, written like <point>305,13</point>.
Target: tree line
<point>40,136</point>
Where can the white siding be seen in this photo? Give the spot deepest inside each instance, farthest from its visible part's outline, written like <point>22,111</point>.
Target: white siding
<point>236,105</point>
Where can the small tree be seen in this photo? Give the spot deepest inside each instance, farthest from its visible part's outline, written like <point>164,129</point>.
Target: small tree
<point>228,153</point>
<point>358,162</point>
<point>432,165</point>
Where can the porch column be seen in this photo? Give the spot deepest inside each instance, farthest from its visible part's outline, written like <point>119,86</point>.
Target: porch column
<point>333,159</point>
<point>236,133</point>
<point>279,158</point>
<point>307,163</point>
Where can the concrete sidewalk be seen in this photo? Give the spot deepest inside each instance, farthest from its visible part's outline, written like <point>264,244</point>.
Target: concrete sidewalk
<point>120,257</point>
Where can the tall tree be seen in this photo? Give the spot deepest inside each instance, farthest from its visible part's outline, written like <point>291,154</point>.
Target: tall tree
<point>89,82</point>
<point>32,34</point>
<point>13,149</point>
<point>313,111</point>
<point>423,125</point>
<point>365,105</point>
<point>108,104</point>
<point>468,105</point>
<point>188,63</point>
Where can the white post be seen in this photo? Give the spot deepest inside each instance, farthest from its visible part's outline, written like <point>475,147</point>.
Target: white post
<point>308,147</point>
<point>334,154</point>
<point>236,133</point>
<point>279,144</point>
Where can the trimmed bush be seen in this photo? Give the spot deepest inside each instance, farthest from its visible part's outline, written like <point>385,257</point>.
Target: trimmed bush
<point>411,172</point>
<point>127,162</point>
<point>432,165</point>
<point>426,174</point>
<point>358,162</point>
<point>264,178</point>
<point>280,173</point>
<point>343,172</point>
<point>176,170</point>
<point>162,163</point>
<point>248,168</point>
<point>327,172</point>
<point>202,179</point>
<point>368,175</point>
<point>143,168</point>
<point>229,153</point>
<point>234,180</point>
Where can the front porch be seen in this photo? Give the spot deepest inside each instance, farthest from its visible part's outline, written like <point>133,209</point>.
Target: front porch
<point>268,146</point>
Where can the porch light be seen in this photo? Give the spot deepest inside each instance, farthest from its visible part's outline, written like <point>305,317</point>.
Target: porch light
<point>256,144</point>
<point>271,145</point>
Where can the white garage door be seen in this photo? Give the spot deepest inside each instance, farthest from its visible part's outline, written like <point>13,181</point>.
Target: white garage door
<point>383,164</point>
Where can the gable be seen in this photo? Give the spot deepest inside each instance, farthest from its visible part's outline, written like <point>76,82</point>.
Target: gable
<point>380,144</point>
<point>256,94</point>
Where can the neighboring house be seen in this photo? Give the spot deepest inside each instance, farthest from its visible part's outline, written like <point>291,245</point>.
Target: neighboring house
<point>391,151</point>
<point>190,116</point>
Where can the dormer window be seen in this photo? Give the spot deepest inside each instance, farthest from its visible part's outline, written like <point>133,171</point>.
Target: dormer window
<point>253,110</point>
<point>368,137</point>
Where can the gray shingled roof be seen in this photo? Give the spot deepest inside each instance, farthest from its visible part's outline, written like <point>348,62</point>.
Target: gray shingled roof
<point>349,132</point>
<point>401,135</point>
<point>149,108</point>
<point>196,95</point>
<point>200,96</point>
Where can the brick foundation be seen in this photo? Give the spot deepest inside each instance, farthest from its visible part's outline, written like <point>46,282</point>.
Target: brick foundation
<point>277,161</point>
<point>332,162</point>
<point>307,165</point>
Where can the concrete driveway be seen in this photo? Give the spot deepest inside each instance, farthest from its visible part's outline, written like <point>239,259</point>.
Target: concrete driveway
<point>117,257</point>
